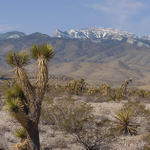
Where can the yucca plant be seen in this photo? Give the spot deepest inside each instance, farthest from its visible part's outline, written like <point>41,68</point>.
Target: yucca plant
<point>14,91</point>
<point>17,59</point>
<point>124,122</point>
<point>76,86</point>
<point>45,51</point>
<point>25,100</point>
<point>124,86</point>
<point>13,106</point>
<point>105,89</point>
<point>21,134</point>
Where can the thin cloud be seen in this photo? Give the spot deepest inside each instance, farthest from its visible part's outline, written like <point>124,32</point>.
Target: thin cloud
<point>119,11</point>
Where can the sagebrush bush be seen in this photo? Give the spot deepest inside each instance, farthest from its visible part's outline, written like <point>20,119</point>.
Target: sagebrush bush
<point>76,118</point>
<point>54,91</point>
<point>67,114</point>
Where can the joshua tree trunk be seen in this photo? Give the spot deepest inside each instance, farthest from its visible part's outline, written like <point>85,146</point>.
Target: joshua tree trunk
<point>33,138</point>
<point>34,96</point>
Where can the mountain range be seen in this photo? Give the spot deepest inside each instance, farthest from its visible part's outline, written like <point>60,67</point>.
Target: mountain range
<point>96,54</point>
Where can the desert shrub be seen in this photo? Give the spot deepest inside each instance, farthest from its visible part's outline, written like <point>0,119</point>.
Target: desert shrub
<point>76,87</point>
<point>55,90</point>
<point>93,90</point>
<point>124,123</point>
<point>116,94</point>
<point>139,93</point>
<point>67,114</point>
<point>137,108</point>
<point>46,112</point>
<point>111,93</point>
<point>142,93</point>
<point>105,89</point>
<point>75,118</point>
<point>92,138</point>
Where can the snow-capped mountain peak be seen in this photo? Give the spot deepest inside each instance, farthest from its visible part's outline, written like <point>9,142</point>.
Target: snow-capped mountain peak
<point>94,34</point>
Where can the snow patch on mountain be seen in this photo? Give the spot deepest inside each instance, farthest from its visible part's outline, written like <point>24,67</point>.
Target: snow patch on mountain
<point>100,34</point>
<point>14,36</point>
<point>94,33</point>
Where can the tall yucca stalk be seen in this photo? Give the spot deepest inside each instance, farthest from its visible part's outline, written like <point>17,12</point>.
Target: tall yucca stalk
<point>28,105</point>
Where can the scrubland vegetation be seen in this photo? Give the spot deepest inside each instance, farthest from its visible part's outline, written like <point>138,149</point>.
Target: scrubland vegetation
<point>71,115</point>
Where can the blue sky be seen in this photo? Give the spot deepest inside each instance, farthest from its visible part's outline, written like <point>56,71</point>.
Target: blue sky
<point>48,15</point>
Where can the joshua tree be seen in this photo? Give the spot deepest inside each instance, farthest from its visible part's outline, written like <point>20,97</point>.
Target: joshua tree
<point>124,86</point>
<point>24,101</point>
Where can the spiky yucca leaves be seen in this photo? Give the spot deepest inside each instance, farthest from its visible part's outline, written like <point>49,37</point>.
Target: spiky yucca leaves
<point>17,59</point>
<point>13,106</point>
<point>15,96</point>
<point>21,134</point>
<point>124,122</point>
<point>16,104</point>
<point>14,91</point>
<point>45,50</point>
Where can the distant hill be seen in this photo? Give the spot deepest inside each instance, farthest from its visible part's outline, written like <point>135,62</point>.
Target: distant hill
<point>11,35</point>
<point>103,59</point>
